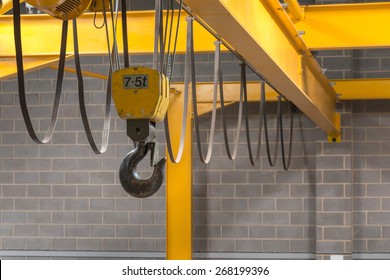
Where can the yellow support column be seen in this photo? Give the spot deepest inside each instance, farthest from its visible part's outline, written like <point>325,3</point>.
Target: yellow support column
<point>179,188</point>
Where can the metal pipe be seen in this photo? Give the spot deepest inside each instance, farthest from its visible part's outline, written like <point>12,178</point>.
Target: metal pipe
<point>295,9</point>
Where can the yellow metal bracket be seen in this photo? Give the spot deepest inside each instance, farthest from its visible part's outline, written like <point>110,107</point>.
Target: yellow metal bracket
<point>336,138</point>
<point>341,26</point>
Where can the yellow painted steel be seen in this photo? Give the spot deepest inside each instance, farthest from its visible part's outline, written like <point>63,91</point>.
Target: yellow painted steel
<point>349,89</point>
<point>338,26</point>
<point>62,9</point>
<point>38,38</point>
<point>140,93</point>
<point>231,92</point>
<point>85,73</point>
<point>263,33</point>
<point>336,138</point>
<point>363,89</point>
<point>179,189</point>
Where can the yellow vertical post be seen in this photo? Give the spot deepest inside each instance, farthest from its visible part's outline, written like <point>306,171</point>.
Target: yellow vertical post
<point>179,188</point>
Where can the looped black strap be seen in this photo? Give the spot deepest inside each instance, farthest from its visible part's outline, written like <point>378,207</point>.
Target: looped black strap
<point>272,160</point>
<point>83,110</point>
<point>231,155</point>
<point>124,35</point>
<point>286,163</point>
<point>253,160</point>
<point>21,85</point>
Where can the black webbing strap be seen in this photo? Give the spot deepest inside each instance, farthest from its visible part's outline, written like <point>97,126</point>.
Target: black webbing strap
<point>231,155</point>
<point>253,160</point>
<point>124,35</point>
<point>20,75</point>
<point>83,110</point>
<point>286,163</point>
<point>272,160</point>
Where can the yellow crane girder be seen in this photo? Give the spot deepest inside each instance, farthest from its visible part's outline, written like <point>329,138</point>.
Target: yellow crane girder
<point>341,26</point>
<point>40,46</point>
<point>41,35</point>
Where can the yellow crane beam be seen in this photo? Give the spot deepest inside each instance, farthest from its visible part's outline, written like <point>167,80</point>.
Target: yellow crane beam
<point>263,33</point>
<point>322,27</point>
<point>350,89</point>
<point>40,47</point>
<point>341,26</point>
<point>41,35</point>
<point>363,89</point>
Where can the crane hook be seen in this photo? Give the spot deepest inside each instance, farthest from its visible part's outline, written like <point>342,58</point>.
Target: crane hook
<point>130,179</point>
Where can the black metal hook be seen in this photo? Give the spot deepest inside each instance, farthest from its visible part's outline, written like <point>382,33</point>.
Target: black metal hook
<point>129,178</point>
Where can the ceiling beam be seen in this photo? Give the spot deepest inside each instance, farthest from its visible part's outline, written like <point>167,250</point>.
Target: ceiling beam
<point>38,39</point>
<point>322,27</point>
<point>264,35</point>
<point>362,89</point>
<point>342,26</point>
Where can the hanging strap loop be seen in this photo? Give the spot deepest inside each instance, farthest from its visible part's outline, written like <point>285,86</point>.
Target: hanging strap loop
<point>206,159</point>
<point>253,160</point>
<point>124,35</point>
<point>231,155</point>
<point>21,85</point>
<point>286,163</point>
<point>272,160</point>
<point>83,110</point>
<point>187,69</point>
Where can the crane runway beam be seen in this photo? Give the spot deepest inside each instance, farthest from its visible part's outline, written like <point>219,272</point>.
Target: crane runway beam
<point>38,39</point>
<point>345,26</point>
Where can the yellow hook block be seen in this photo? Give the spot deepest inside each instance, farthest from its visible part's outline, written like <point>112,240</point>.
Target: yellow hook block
<point>140,93</point>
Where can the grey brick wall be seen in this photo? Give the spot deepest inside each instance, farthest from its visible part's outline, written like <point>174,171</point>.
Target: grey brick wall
<point>370,176</point>
<point>256,209</point>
